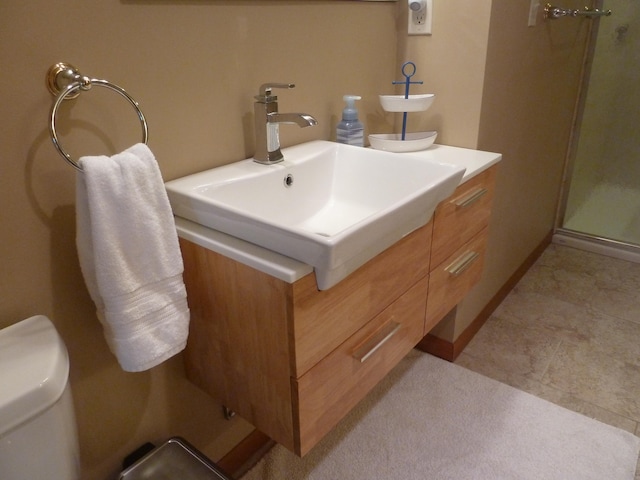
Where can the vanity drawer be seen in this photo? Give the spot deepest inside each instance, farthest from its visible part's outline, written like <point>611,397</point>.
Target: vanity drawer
<point>329,390</point>
<point>461,216</point>
<point>453,278</point>
<point>322,320</point>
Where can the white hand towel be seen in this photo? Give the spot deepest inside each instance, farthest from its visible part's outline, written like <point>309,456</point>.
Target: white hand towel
<point>130,257</point>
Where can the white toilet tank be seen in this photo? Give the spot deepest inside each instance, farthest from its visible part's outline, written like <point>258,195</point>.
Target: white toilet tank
<point>38,437</point>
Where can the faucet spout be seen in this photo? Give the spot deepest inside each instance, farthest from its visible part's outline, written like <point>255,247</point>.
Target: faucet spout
<point>300,119</point>
<point>267,123</point>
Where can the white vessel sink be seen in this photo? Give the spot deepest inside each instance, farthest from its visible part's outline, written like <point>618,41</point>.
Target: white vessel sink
<point>329,205</point>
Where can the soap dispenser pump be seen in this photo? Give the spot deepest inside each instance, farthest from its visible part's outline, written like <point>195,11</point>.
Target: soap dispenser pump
<point>350,130</point>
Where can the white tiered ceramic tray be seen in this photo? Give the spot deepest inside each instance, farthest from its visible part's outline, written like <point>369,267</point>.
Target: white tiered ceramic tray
<point>415,103</point>
<point>392,142</point>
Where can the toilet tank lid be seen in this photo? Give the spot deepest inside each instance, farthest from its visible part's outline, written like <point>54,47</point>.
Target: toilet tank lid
<point>34,368</point>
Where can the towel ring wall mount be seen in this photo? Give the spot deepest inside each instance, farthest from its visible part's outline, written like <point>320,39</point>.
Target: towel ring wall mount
<point>65,82</point>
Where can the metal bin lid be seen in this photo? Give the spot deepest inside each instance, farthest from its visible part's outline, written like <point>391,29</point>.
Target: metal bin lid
<point>174,459</point>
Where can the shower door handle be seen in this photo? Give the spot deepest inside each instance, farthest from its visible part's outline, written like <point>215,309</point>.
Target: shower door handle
<point>552,12</point>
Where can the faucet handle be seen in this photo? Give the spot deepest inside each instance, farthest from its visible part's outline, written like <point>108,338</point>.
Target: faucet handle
<point>265,92</point>
<point>265,88</point>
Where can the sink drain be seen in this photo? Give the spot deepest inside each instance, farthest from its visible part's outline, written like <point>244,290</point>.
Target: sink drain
<point>288,180</point>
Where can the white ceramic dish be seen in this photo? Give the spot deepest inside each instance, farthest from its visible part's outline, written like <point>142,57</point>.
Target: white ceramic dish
<point>415,103</point>
<point>392,142</point>
<point>329,205</point>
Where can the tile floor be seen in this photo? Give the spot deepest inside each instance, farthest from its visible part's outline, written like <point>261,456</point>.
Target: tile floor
<point>569,332</point>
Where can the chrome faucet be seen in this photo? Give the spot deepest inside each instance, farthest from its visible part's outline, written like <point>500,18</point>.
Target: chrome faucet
<point>268,120</point>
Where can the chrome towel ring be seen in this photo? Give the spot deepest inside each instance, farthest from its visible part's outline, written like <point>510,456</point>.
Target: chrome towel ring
<point>65,82</point>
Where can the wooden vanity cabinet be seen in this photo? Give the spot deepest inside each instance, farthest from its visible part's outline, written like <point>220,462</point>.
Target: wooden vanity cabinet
<point>460,228</point>
<point>293,360</point>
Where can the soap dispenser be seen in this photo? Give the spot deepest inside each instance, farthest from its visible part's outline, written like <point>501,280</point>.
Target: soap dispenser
<point>350,130</point>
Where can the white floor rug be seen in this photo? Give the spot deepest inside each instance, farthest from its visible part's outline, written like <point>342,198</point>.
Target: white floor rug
<point>430,419</point>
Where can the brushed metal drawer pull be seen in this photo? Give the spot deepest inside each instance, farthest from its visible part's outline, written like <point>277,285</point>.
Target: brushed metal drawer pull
<point>369,348</point>
<point>470,198</point>
<point>461,263</point>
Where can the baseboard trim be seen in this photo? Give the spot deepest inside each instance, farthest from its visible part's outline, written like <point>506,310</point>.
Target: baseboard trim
<point>451,350</point>
<point>246,454</point>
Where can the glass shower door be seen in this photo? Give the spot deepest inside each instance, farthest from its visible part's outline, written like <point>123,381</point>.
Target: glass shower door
<point>603,199</point>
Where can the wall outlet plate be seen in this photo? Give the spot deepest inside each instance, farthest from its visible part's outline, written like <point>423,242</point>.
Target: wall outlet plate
<point>420,21</point>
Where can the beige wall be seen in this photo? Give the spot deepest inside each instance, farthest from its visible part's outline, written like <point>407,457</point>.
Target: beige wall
<point>452,64</point>
<point>194,67</point>
<point>530,90</point>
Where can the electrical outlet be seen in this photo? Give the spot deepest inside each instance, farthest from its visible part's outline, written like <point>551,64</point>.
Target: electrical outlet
<point>420,15</point>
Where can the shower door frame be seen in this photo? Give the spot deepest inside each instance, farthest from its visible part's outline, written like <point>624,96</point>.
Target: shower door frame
<point>564,236</point>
